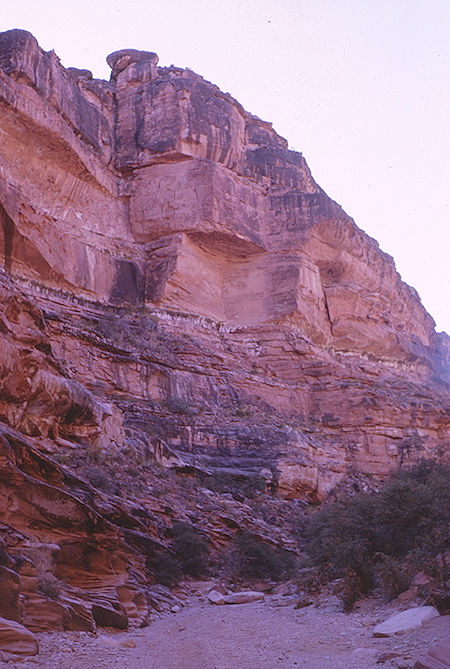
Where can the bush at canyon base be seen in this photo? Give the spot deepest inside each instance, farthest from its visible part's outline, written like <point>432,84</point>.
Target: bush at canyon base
<point>381,539</point>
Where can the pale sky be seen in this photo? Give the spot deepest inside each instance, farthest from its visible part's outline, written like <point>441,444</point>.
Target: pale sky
<point>361,87</point>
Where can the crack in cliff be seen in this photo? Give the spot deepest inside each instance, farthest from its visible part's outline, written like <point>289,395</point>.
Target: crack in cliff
<point>8,237</point>
<point>327,309</point>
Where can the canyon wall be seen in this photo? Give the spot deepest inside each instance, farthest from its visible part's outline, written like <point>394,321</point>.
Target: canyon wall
<point>176,288</point>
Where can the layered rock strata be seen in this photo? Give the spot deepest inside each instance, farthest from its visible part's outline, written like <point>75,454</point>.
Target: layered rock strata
<point>177,288</point>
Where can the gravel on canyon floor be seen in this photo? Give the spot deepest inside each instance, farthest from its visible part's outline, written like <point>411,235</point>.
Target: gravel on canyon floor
<point>258,635</point>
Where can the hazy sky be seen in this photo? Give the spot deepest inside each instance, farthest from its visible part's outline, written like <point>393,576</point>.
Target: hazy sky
<point>361,87</point>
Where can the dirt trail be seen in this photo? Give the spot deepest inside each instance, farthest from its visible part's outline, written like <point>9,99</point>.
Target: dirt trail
<point>246,636</point>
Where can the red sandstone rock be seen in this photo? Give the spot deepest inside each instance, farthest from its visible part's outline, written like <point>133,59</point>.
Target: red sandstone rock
<point>176,287</point>
<point>16,639</point>
<point>437,657</point>
<point>9,594</point>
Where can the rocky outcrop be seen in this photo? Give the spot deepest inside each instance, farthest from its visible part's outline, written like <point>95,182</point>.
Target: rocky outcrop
<point>16,639</point>
<point>177,289</point>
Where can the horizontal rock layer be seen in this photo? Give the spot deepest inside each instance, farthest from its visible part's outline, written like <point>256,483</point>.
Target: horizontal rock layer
<point>177,288</point>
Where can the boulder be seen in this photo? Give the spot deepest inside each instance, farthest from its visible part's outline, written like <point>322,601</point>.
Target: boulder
<point>110,614</point>
<point>244,597</point>
<point>406,620</point>
<point>42,613</point>
<point>216,597</point>
<point>16,639</point>
<point>79,616</point>
<point>363,654</point>
<point>437,657</point>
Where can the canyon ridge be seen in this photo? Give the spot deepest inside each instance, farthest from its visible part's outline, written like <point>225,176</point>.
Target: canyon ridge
<point>187,320</point>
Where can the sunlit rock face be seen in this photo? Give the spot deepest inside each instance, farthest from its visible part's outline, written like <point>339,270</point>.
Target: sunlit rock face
<point>175,285</point>
<point>159,191</point>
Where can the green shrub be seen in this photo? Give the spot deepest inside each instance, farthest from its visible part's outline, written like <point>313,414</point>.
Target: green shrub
<point>240,487</point>
<point>191,549</point>
<point>412,510</point>
<point>188,556</point>
<point>381,538</point>
<point>50,587</point>
<point>101,478</point>
<point>251,558</point>
<point>395,575</point>
<point>165,567</point>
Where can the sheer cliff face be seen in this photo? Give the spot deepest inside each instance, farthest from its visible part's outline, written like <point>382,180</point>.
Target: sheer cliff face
<point>158,191</point>
<point>176,287</point>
